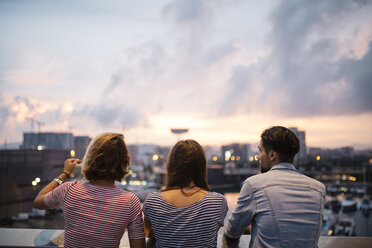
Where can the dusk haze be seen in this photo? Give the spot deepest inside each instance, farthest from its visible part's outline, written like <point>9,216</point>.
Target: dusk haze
<point>223,70</point>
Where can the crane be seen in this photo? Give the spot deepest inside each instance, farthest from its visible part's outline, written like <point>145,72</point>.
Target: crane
<point>39,124</point>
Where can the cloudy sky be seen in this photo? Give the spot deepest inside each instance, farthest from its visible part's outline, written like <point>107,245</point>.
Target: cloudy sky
<point>225,69</point>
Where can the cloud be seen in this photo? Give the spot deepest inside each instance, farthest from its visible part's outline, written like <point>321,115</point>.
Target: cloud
<point>114,115</point>
<point>187,11</point>
<point>305,72</point>
<point>137,66</point>
<point>16,113</point>
<point>4,112</point>
<point>359,74</point>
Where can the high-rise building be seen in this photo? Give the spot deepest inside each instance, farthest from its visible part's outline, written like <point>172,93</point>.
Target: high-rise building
<point>235,152</point>
<point>42,141</point>
<point>80,145</point>
<point>23,173</point>
<point>301,155</point>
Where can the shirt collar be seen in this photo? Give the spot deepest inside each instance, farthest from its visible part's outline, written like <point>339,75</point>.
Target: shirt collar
<point>286,166</point>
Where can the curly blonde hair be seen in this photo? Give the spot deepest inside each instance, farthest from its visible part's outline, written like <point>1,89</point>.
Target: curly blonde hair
<point>106,158</point>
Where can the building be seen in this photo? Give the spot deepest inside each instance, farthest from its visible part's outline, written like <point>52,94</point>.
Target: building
<point>148,154</point>
<point>326,153</point>
<point>236,152</point>
<point>347,151</point>
<point>41,141</point>
<point>19,169</point>
<point>302,154</point>
<point>25,171</point>
<point>132,149</point>
<point>80,145</point>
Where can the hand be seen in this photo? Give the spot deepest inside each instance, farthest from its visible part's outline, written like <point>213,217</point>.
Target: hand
<point>70,165</point>
<point>247,230</point>
<point>228,242</point>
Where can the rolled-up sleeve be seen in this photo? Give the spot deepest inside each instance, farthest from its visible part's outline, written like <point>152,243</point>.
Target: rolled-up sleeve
<point>242,215</point>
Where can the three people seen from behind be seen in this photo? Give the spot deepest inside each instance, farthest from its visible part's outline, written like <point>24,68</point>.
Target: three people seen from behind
<point>281,206</point>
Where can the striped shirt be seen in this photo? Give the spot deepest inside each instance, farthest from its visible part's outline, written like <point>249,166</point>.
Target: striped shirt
<point>194,226</point>
<point>96,216</point>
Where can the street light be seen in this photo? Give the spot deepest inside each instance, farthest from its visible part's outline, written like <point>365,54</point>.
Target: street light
<point>227,155</point>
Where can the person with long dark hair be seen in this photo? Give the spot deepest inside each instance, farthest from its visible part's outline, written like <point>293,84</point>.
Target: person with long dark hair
<point>185,213</point>
<point>96,212</point>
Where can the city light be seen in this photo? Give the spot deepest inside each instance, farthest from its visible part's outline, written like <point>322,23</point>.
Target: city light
<point>232,158</point>
<point>37,179</point>
<point>34,183</point>
<point>318,157</point>
<point>255,158</point>
<point>40,147</point>
<point>251,158</point>
<point>137,183</point>
<point>155,157</point>
<point>72,153</point>
<point>351,178</point>
<point>214,158</point>
<point>227,155</point>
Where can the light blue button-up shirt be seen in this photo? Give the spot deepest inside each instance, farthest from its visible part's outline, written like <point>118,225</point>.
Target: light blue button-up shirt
<point>284,207</point>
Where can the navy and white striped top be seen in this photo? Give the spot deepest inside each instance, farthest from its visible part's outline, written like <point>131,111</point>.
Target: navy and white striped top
<point>195,225</point>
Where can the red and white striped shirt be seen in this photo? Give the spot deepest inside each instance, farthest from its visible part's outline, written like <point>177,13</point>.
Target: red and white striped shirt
<point>96,216</point>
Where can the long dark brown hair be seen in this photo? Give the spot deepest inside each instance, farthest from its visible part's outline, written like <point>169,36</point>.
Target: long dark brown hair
<point>186,163</point>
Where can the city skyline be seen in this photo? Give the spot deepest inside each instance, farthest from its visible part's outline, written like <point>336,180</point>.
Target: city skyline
<point>226,70</point>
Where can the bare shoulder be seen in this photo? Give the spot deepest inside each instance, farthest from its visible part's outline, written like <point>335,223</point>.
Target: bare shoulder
<point>183,198</point>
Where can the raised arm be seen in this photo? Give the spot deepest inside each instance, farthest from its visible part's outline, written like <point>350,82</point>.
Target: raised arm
<point>68,168</point>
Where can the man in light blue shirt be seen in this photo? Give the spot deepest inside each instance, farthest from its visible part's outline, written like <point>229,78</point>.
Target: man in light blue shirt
<point>283,206</point>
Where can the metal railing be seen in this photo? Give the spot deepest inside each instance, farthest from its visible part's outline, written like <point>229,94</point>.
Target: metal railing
<point>17,237</point>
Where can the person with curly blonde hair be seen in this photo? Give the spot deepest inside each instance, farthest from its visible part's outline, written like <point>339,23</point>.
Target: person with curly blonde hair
<point>96,212</point>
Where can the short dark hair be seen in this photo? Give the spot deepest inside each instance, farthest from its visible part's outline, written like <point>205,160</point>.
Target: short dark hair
<point>186,163</point>
<point>106,158</point>
<point>282,140</point>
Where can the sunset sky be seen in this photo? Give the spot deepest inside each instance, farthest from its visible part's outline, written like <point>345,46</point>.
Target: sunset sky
<point>225,69</point>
